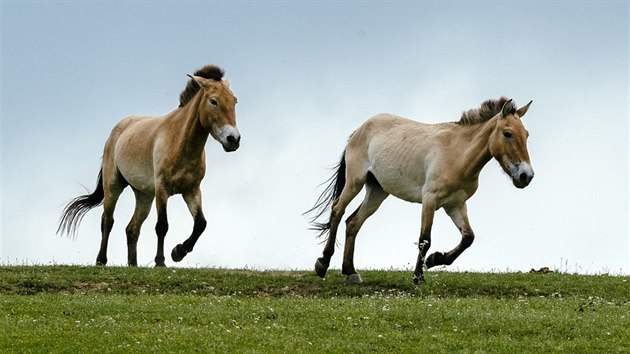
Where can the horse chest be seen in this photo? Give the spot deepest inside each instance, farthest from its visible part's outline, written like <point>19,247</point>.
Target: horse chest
<point>177,181</point>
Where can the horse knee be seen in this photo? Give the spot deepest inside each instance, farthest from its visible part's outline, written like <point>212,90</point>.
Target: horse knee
<point>336,211</point>
<point>424,245</point>
<point>351,225</point>
<point>467,238</point>
<point>335,217</point>
<point>132,235</point>
<point>132,240</point>
<point>200,226</point>
<point>107,222</point>
<point>161,228</point>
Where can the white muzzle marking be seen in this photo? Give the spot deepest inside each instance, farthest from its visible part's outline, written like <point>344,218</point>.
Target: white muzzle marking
<point>521,173</point>
<point>229,137</point>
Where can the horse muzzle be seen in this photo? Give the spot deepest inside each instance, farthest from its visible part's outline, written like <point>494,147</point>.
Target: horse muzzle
<point>229,137</point>
<point>522,174</point>
<point>231,143</point>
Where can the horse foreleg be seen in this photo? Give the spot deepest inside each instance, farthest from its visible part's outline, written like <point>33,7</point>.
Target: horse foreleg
<point>193,201</point>
<point>161,227</point>
<point>459,216</point>
<point>428,211</point>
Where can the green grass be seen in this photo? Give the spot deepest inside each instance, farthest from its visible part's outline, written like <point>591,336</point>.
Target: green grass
<point>115,309</point>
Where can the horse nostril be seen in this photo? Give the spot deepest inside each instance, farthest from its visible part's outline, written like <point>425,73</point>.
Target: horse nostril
<point>523,177</point>
<point>233,140</point>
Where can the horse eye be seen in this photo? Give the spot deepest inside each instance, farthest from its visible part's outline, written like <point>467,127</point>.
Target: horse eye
<point>507,134</point>
<point>213,102</point>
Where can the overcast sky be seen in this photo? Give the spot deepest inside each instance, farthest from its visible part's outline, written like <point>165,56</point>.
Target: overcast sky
<point>307,74</point>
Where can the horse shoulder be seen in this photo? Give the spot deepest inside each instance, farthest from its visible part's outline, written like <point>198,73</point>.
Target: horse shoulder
<point>431,163</point>
<point>447,184</point>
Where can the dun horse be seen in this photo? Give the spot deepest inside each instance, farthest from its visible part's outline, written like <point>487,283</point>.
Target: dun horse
<point>437,165</point>
<point>160,157</point>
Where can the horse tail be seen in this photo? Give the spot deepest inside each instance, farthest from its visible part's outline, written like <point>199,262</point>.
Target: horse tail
<point>333,190</point>
<point>76,209</point>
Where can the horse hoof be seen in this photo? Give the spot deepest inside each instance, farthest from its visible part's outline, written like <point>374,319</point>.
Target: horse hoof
<point>101,259</point>
<point>418,279</point>
<point>178,255</point>
<point>354,279</point>
<point>320,268</point>
<point>434,259</point>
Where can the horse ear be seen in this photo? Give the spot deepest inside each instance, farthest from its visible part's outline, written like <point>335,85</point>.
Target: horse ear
<point>521,111</point>
<point>200,81</point>
<point>227,83</point>
<point>507,107</point>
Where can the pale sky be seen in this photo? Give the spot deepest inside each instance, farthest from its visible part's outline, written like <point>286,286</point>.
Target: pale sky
<point>306,75</point>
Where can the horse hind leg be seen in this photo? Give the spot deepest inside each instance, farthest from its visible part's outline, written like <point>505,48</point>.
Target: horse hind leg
<point>322,263</point>
<point>374,197</point>
<point>107,223</point>
<point>351,188</point>
<point>143,207</point>
<point>112,193</point>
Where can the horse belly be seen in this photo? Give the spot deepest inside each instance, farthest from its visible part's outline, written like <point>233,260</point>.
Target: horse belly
<point>139,178</point>
<point>400,185</point>
<point>399,174</point>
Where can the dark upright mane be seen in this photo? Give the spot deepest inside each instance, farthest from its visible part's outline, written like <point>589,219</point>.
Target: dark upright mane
<point>212,72</point>
<point>487,110</point>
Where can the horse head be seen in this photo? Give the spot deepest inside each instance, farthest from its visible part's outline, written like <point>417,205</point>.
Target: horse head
<point>217,108</point>
<point>508,144</point>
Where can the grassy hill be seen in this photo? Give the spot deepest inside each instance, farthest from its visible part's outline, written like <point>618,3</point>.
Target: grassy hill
<point>115,309</point>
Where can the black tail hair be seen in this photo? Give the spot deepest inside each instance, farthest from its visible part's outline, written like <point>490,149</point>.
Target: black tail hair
<point>325,200</point>
<point>76,209</point>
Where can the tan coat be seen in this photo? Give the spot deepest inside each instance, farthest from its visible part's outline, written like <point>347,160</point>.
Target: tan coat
<point>437,165</point>
<point>159,157</point>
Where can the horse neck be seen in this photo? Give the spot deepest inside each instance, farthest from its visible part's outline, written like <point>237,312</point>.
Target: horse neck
<point>476,153</point>
<point>192,137</point>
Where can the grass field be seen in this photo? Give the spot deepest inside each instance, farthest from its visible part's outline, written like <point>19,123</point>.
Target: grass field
<point>139,310</point>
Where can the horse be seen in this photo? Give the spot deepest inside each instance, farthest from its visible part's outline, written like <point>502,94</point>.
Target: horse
<point>437,165</point>
<point>159,157</point>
